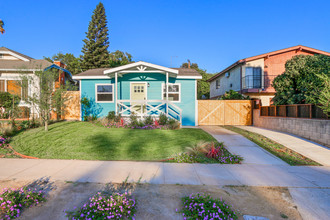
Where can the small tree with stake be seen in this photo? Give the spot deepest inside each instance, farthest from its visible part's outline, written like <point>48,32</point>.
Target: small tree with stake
<point>49,99</point>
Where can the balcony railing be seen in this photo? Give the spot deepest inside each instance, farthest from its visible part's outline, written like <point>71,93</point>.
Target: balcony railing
<point>257,82</point>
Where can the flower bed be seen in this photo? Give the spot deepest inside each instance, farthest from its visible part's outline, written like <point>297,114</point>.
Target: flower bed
<point>201,206</point>
<point>207,153</point>
<point>13,201</point>
<point>116,206</point>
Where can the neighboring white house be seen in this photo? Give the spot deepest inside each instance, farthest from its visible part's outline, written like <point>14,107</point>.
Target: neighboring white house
<point>13,64</point>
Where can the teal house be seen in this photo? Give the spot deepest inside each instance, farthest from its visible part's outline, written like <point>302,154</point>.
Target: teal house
<point>142,88</point>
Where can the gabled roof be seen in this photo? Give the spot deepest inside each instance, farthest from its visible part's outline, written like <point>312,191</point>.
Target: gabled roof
<point>19,64</point>
<point>139,67</point>
<point>15,53</point>
<point>299,47</point>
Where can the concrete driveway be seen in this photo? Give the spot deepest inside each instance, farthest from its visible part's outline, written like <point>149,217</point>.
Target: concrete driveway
<point>237,144</point>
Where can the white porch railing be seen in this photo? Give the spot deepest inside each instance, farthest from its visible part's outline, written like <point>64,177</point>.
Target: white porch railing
<point>143,108</point>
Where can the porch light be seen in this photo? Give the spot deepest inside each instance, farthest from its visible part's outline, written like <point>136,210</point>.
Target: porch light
<point>148,84</point>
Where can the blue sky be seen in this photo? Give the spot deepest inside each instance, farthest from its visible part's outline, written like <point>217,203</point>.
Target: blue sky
<point>213,33</point>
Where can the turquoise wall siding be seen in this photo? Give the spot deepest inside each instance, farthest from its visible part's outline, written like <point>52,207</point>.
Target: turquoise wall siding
<point>154,92</point>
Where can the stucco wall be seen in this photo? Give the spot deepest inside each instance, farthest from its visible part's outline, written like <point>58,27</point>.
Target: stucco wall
<point>312,129</point>
<point>234,79</point>
<point>154,92</point>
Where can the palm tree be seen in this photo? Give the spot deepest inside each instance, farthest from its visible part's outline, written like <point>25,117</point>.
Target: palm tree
<point>1,27</point>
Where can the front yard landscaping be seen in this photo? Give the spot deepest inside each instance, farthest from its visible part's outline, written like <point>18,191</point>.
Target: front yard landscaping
<point>88,141</point>
<point>291,157</point>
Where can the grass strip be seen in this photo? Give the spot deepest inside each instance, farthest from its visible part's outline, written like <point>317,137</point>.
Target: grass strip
<point>291,157</point>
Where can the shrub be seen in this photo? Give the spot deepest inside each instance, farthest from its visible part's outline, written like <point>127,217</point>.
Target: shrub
<point>173,124</point>
<point>12,201</point>
<point>6,99</point>
<point>100,206</point>
<point>233,95</point>
<point>148,120</point>
<point>162,119</point>
<point>201,206</point>
<point>207,152</point>
<point>111,116</point>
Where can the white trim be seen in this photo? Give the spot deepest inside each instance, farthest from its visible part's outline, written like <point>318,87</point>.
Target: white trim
<point>80,119</point>
<point>15,55</point>
<point>145,71</point>
<point>21,70</point>
<point>146,89</point>
<point>116,84</point>
<point>189,77</point>
<point>140,64</point>
<point>162,92</point>
<point>196,104</point>
<point>90,77</point>
<point>105,84</point>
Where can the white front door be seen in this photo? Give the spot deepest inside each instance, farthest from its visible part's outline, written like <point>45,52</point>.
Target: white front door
<point>138,92</point>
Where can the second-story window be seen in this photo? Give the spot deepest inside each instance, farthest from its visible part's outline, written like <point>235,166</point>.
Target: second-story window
<point>217,84</point>
<point>253,77</point>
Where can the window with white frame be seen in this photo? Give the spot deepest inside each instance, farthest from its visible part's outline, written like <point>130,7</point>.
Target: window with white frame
<point>174,92</point>
<point>104,93</point>
<point>217,84</point>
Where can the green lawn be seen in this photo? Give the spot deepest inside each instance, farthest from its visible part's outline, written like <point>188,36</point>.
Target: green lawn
<point>84,140</point>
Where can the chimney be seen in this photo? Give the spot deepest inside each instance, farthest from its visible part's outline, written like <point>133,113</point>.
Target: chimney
<point>60,64</point>
<point>188,64</point>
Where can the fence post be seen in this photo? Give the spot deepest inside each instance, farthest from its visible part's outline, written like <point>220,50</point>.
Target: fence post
<point>296,111</point>
<point>285,115</point>
<point>275,111</point>
<point>310,111</point>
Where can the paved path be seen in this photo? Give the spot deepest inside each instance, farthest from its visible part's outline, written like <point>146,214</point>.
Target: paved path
<point>309,185</point>
<point>305,147</point>
<point>237,144</point>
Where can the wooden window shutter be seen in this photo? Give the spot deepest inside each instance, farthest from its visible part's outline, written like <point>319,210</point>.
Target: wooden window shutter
<point>14,88</point>
<point>2,86</point>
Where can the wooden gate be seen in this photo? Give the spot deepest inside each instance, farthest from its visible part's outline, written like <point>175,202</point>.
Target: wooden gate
<point>224,112</point>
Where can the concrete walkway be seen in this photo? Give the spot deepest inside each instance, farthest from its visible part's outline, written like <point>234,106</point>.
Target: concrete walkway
<point>309,185</point>
<point>305,147</point>
<point>237,144</point>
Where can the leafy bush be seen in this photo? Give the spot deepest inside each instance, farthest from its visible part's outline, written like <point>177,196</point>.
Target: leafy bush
<point>162,119</point>
<point>233,95</point>
<point>6,99</point>
<point>201,206</point>
<point>148,120</point>
<point>134,122</point>
<point>100,206</point>
<point>12,201</point>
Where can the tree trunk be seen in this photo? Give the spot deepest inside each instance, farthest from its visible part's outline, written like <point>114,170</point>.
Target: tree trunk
<point>46,125</point>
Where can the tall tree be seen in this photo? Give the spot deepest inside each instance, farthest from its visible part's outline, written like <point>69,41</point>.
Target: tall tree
<point>72,62</point>
<point>203,87</point>
<point>2,30</point>
<point>119,58</point>
<point>95,50</point>
<point>300,83</point>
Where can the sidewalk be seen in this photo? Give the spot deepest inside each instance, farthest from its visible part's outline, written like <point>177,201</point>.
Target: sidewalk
<point>305,147</point>
<point>165,173</point>
<point>237,144</point>
<point>308,185</point>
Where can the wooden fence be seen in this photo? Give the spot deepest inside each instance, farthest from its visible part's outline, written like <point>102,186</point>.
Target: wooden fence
<point>224,112</point>
<point>72,105</point>
<point>294,111</point>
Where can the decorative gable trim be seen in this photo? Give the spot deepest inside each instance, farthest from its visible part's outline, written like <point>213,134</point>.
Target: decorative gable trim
<point>14,54</point>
